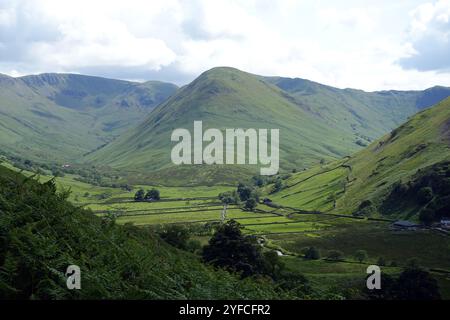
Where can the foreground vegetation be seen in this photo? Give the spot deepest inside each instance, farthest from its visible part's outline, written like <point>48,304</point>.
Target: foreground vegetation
<point>41,234</point>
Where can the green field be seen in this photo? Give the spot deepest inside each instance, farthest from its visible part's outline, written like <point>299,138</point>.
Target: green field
<point>283,228</point>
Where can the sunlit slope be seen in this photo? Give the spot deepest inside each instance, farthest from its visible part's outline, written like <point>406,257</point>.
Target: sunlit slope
<point>229,98</point>
<point>315,189</point>
<point>421,142</point>
<point>315,121</point>
<point>370,174</point>
<point>63,116</point>
<point>367,115</point>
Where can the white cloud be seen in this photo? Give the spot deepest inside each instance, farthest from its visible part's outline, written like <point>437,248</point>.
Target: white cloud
<point>345,44</point>
<point>429,36</point>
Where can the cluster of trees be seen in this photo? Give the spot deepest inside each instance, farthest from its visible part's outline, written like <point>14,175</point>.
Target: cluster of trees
<point>261,181</point>
<point>246,195</point>
<point>312,253</point>
<point>231,250</point>
<point>249,196</point>
<point>151,195</point>
<point>414,283</point>
<point>429,190</point>
<point>84,173</point>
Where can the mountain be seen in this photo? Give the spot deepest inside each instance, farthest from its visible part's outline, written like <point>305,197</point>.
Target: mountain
<point>316,121</point>
<point>63,116</point>
<point>403,175</point>
<point>368,115</point>
<point>228,98</point>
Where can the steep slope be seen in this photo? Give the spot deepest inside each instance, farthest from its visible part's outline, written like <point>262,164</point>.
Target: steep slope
<point>229,98</point>
<point>316,121</point>
<point>384,178</point>
<point>368,115</point>
<point>421,142</point>
<point>63,116</point>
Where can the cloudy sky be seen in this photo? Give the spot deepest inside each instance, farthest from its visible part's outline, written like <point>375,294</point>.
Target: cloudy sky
<point>371,45</point>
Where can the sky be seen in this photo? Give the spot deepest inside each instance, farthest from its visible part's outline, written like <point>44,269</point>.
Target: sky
<point>369,45</point>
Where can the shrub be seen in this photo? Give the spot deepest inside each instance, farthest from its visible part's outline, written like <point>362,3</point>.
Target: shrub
<point>175,235</point>
<point>425,195</point>
<point>366,208</point>
<point>278,185</point>
<point>335,255</point>
<point>250,204</point>
<point>139,195</point>
<point>361,255</point>
<point>244,192</point>
<point>312,254</point>
<point>152,194</point>
<point>229,197</point>
<point>231,250</point>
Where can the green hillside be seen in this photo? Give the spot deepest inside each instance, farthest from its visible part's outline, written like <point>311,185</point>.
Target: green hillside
<point>227,98</point>
<point>315,121</point>
<point>413,156</point>
<point>63,116</point>
<point>368,115</point>
<point>41,234</point>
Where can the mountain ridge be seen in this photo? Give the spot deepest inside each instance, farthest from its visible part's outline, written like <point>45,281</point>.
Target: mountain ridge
<point>226,97</point>
<point>62,116</point>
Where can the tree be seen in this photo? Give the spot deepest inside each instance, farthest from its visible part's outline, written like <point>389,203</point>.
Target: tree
<point>312,254</point>
<point>425,195</point>
<point>361,255</point>
<point>250,204</point>
<point>417,284</point>
<point>231,250</point>
<point>152,194</point>
<point>335,255</point>
<point>140,195</point>
<point>273,263</point>
<point>365,208</point>
<point>126,187</point>
<point>258,181</point>
<point>57,173</point>
<point>244,192</point>
<point>176,235</point>
<point>412,284</point>
<point>278,185</point>
<point>332,198</point>
<point>229,197</point>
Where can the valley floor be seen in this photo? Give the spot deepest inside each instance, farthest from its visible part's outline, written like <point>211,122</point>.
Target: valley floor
<point>284,229</point>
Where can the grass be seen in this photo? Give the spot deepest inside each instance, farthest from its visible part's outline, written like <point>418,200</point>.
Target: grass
<point>430,248</point>
<point>215,97</point>
<point>60,117</point>
<point>313,190</point>
<point>281,227</point>
<point>369,174</point>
